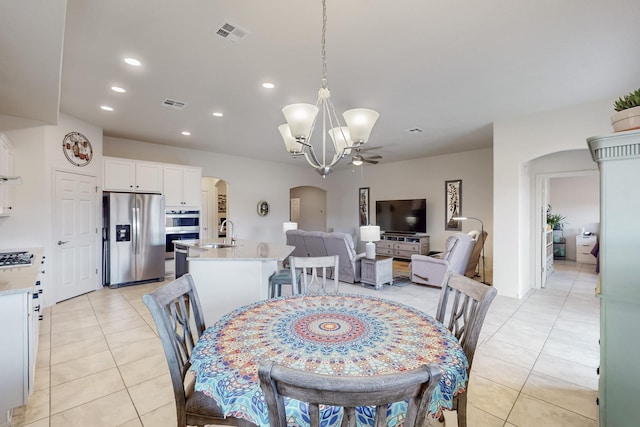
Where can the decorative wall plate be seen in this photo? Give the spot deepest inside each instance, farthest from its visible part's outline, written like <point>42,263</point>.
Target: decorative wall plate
<point>77,149</point>
<point>263,208</point>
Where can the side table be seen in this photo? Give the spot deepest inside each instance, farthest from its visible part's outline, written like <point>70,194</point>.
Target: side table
<point>376,271</point>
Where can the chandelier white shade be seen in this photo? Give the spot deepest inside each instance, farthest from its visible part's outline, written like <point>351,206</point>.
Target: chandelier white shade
<point>301,120</point>
<point>360,122</point>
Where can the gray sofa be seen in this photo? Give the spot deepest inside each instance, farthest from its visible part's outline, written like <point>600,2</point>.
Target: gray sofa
<point>318,243</point>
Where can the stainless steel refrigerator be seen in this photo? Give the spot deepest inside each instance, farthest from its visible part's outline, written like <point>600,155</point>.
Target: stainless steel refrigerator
<point>133,238</point>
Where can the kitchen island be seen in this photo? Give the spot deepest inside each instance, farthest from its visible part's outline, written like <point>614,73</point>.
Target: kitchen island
<point>231,276</point>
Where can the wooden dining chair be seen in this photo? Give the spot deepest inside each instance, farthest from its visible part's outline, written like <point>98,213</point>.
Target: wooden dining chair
<point>315,271</point>
<point>462,308</point>
<point>176,310</point>
<point>416,386</point>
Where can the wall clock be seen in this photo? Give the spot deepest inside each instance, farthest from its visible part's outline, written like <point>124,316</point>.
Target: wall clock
<point>263,208</point>
<point>77,148</point>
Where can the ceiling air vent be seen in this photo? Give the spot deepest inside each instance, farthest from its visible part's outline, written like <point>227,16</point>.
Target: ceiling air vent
<point>178,105</point>
<point>231,31</point>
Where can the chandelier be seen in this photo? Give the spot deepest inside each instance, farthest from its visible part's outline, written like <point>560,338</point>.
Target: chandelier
<point>302,118</point>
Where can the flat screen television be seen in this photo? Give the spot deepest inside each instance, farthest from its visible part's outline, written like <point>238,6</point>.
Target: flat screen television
<point>402,216</point>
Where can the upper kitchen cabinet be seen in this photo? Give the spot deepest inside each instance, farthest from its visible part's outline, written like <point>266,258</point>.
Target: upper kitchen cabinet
<point>132,176</point>
<point>6,170</point>
<point>182,186</point>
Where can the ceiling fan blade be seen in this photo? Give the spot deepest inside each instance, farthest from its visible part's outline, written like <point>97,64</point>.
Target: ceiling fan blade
<point>369,148</point>
<point>373,162</point>
<point>373,157</point>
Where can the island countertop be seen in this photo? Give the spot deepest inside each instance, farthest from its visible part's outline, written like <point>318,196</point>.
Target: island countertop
<point>243,250</point>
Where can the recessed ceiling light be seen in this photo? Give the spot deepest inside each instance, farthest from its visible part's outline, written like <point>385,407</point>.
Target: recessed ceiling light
<point>218,114</point>
<point>118,89</point>
<point>132,61</point>
<point>185,133</point>
<point>268,85</point>
<point>106,108</point>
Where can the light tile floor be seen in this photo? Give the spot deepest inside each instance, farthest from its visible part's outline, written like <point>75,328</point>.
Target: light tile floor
<point>100,362</point>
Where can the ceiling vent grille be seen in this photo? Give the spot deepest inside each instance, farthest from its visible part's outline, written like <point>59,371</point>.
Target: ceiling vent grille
<point>232,32</point>
<point>178,105</point>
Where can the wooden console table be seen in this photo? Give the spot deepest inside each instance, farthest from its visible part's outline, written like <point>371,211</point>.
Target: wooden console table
<point>402,245</point>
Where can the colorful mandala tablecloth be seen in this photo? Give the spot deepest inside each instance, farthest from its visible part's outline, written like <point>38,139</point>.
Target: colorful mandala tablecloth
<point>326,334</point>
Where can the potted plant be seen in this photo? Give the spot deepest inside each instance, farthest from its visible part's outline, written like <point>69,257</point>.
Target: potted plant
<point>627,115</point>
<point>555,221</point>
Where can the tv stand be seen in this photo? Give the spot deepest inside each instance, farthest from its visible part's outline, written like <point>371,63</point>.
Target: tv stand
<point>403,245</point>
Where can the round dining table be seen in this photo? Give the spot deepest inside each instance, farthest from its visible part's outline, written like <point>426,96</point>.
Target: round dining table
<point>336,334</point>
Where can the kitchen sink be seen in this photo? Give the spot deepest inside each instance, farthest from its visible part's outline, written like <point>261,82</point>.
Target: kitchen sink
<point>217,246</point>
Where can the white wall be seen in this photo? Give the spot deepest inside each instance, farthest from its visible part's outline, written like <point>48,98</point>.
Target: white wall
<point>418,178</point>
<point>516,142</point>
<point>37,155</point>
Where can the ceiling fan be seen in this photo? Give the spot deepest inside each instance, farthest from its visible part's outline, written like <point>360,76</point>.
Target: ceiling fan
<point>358,158</point>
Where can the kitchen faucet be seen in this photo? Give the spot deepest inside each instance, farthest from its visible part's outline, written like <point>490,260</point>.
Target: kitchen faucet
<point>229,230</point>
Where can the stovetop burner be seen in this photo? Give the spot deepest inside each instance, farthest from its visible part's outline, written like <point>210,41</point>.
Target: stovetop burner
<point>15,259</point>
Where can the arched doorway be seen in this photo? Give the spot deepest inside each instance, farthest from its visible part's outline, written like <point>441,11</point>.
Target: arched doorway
<point>215,192</point>
<point>309,208</point>
<point>568,181</point>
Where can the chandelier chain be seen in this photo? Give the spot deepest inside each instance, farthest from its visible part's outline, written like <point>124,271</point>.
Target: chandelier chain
<point>323,49</point>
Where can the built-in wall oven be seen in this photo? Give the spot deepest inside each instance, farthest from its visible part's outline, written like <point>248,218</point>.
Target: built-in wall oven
<point>180,225</point>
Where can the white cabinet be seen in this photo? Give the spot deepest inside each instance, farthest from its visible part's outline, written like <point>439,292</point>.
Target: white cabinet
<point>133,176</point>
<point>6,170</point>
<point>618,158</point>
<point>182,186</point>
<point>20,302</point>
<point>584,245</point>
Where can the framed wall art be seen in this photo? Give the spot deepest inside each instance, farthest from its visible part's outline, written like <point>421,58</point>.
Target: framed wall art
<point>452,204</point>
<point>363,205</point>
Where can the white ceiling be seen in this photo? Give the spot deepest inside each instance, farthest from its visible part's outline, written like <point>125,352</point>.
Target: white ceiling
<point>448,68</point>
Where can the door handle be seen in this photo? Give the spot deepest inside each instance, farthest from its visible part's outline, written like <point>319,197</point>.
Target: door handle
<point>60,242</point>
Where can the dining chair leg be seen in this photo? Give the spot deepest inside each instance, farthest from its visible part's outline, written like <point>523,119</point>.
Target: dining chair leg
<point>462,409</point>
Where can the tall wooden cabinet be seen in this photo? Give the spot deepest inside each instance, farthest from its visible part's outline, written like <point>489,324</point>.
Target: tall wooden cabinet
<point>618,157</point>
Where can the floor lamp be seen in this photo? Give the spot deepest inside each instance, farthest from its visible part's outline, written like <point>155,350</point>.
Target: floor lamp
<point>464,218</point>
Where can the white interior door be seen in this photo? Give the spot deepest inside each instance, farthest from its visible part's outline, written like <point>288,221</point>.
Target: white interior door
<point>294,209</point>
<point>75,234</point>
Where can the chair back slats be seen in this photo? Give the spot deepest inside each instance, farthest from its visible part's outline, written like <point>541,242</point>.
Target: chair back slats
<point>171,308</point>
<point>178,314</point>
<point>416,386</point>
<point>464,313</point>
<point>315,273</point>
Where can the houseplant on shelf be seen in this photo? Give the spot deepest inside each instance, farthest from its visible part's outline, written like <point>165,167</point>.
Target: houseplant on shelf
<point>555,221</point>
<point>627,115</point>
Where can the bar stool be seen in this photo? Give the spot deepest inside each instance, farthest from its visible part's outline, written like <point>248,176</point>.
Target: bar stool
<point>282,277</point>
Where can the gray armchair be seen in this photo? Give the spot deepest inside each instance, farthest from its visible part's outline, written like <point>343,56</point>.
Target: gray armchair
<point>431,271</point>
<point>341,244</point>
<point>474,258</point>
<point>296,238</point>
<point>319,244</point>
